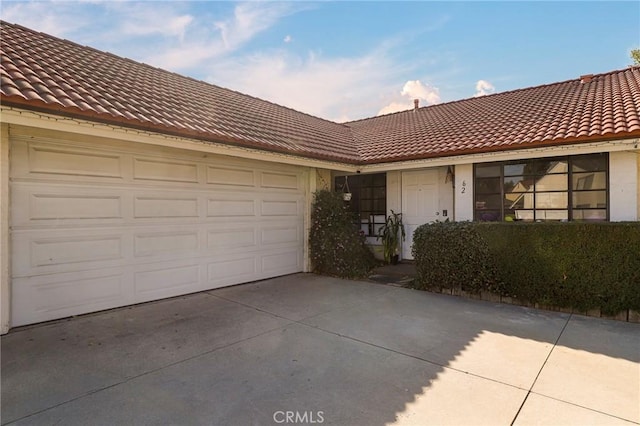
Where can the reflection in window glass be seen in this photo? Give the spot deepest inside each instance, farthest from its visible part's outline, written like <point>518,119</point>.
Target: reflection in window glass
<point>488,201</point>
<point>589,180</point>
<point>543,189</point>
<point>591,163</point>
<point>517,183</point>
<point>521,201</point>
<point>548,166</point>
<point>487,170</point>
<point>515,169</point>
<point>488,216</point>
<point>488,186</point>
<point>589,214</point>
<point>551,215</point>
<point>551,200</point>
<point>589,199</point>
<point>520,215</point>
<point>552,183</point>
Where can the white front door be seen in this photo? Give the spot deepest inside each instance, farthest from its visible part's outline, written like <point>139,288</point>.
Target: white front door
<point>419,203</point>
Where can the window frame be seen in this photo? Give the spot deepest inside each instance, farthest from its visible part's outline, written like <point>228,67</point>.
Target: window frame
<point>368,192</point>
<point>485,176</point>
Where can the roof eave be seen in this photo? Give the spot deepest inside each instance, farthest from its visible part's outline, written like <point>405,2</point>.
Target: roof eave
<point>505,148</point>
<point>74,112</point>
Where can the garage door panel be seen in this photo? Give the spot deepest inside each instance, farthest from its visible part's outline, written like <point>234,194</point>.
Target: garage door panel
<point>280,207</point>
<point>34,205</point>
<point>164,207</point>
<point>48,297</point>
<point>280,234</point>
<point>281,262</point>
<point>163,243</point>
<point>164,171</point>
<point>97,228</point>
<point>236,238</point>
<point>66,206</point>
<point>75,249</point>
<point>231,206</point>
<point>280,180</point>
<point>232,269</point>
<point>225,176</point>
<point>42,158</point>
<point>166,280</point>
<point>50,251</point>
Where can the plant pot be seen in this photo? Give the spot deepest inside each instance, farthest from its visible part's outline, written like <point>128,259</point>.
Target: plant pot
<point>346,196</point>
<point>394,259</point>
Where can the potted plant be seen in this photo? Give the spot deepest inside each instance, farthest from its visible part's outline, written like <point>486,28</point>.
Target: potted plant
<point>346,192</point>
<point>392,234</point>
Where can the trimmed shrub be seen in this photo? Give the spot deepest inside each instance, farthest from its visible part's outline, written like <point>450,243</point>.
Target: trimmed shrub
<point>575,265</point>
<point>452,255</point>
<point>572,265</point>
<point>336,245</point>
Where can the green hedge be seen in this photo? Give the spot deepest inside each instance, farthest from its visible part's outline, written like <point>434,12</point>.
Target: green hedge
<point>571,265</point>
<point>452,255</point>
<point>336,245</point>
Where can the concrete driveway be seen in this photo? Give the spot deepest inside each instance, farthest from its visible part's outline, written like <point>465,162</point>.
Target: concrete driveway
<point>305,349</point>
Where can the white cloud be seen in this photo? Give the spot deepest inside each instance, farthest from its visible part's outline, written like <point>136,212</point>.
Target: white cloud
<point>331,88</point>
<point>222,37</point>
<point>41,17</point>
<point>412,89</point>
<point>151,21</point>
<point>395,107</point>
<point>248,20</point>
<point>483,87</point>
<point>185,57</point>
<point>417,90</point>
<point>288,39</point>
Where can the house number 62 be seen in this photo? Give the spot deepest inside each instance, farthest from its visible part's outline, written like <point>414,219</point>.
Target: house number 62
<point>464,187</point>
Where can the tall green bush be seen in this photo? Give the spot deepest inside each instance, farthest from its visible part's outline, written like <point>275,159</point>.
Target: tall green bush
<point>336,245</point>
<point>452,255</point>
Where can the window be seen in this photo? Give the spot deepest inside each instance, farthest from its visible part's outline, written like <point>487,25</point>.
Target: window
<point>368,201</point>
<point>559,188</point>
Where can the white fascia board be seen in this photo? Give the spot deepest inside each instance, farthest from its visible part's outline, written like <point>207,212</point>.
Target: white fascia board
<point>520,154</point>
<point>42,120</point>
<point>24,117</point>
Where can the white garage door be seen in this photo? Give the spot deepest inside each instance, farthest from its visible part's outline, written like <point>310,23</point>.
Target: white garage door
<point>105,224</point>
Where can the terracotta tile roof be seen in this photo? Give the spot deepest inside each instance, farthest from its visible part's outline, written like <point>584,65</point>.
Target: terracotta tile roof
<point>44,73</point>
<point>604,106</point>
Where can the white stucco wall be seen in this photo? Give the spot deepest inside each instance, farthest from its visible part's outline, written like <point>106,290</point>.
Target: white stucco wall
<point>463,192</point>
<point>5,295</point>
<point>624,190</point>
<point>445,195</point>
<point>394,191</point>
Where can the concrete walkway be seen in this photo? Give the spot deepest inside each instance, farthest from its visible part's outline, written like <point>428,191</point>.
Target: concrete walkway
<point>305,349</point>
<point>402,274</point>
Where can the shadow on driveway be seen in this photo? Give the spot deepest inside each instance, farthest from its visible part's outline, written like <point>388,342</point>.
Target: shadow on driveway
<point>306,349</point>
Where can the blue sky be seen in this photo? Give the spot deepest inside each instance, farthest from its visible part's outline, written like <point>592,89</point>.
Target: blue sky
<point>349,60</point>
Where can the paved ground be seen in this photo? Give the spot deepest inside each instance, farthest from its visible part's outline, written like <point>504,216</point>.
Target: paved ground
<point>401,274</point>
<point>314,350</point>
